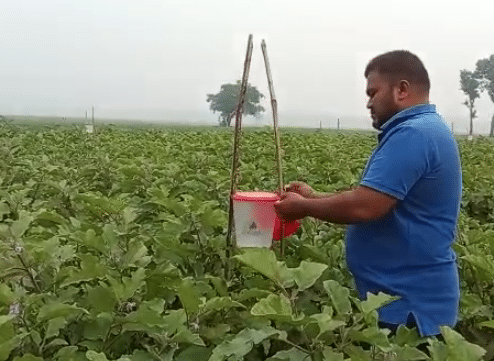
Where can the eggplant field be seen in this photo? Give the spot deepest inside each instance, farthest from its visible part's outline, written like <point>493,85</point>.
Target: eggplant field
<point>113,247</point>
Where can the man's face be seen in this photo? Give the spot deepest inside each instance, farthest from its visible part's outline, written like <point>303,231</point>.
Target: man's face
<point>381,104</point>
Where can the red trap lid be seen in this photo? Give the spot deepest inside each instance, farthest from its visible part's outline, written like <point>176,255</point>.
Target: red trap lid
<point>256,197</point>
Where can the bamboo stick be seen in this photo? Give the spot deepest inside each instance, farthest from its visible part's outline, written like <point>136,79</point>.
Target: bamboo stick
<point>274,107</point>
<point>235,161</point>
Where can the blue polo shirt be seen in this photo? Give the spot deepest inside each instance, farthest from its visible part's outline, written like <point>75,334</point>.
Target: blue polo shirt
<point>408,252</point>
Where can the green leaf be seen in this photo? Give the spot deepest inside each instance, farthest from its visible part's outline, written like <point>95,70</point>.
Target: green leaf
<point>242,343</point>
<point>94,356</point>
<point>252,293</point>
<point>405,336</point>
<point>372,335</point>
<point>273,305</point>
<point>8,339</point>
<point>458,348</point>
<point>4,209</point>
<point>185,336</point>
<point>264,261</point>
<point>58,309</point>
<point>408,353</point>
<point>21,225</point>
<point>331,355</point>
<point>489,323</point>
<point>91,268</point>
<point>194,353</point>
<point>220,285</point>
<point>326,323</point>
<point>307,274</point>
<point>28,357</point>
<point>102,299</point>
<point>54,326</point>
<point>292,354</point>
<point>220,303</point>
<point>373,302</point>
<point>6,295</point>
<point>129,215</point>
<point>339,295</point>
<point>188,296</point>
<point>148,314</point>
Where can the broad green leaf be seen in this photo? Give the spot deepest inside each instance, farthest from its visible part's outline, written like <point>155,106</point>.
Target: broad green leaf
<point>54,326</point>
<point>252,293</point>
<point>4,209</point>
<point>140,355</point>
<point>220,303</point>
<point>458,348</point>
<point>405,336</point>
<point>102,299</point>
<point>188,296</point>
<point>273,305</point>
<point>129,215</point>
<point>220,285</point>
<point>21,225</point>
<point>264,261</point>
<point>194,353</point>
<point>372,335</point>
<point>357,353</point>
<point>57,309</point>
<point>408,353</point>
<point>292,354</point>
<point>326,323</point>
<point>373,302</point>
<point>185,336</point>
<point>339,295</point>
<point>242,343</point>
<point>148,314</point>
<point>8,338</point>
<point>489,323</point>
<point>28,357</point>
<point>331,355</point>
<point>216,332</point>
<point>94,356</point>
<point>6,294</point>
<point>91,268</point>
<point>307,274</point>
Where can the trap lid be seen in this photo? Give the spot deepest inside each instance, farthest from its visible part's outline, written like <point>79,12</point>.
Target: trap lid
<point>256,197</point>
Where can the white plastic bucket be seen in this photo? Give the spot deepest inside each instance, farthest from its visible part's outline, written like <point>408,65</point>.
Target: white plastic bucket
<point>89,128</point>
<point>254,216</point>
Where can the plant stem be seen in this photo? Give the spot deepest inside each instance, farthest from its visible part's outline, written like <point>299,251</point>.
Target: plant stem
<point>29,274</point>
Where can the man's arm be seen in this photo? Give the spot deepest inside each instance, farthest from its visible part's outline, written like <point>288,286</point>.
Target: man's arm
<point>360,205</point>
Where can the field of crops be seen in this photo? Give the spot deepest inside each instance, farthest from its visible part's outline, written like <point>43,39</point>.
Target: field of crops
<point>113,248</point>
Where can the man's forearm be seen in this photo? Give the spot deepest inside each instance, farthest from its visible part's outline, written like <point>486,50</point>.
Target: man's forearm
<point>341,208</point>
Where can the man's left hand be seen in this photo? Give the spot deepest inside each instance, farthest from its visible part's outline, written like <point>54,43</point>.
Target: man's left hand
<point>291,207</point>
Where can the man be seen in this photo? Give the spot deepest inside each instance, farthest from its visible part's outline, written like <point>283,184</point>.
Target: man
<point>402,217</point>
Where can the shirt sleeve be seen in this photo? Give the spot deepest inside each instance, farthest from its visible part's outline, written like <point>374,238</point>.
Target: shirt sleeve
<point>398,163</point>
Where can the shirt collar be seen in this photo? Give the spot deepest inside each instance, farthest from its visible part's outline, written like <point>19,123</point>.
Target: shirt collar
<point>403,115</point>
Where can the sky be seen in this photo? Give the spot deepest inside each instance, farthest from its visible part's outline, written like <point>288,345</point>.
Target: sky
<point>158,60</point>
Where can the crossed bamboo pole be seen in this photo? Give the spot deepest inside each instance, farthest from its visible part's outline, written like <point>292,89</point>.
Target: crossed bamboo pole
<point>236,142</point>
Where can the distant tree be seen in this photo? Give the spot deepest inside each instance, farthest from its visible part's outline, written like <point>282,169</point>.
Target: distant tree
<point>226,102</point>
<point>484,71</point>
<point>470,86</point>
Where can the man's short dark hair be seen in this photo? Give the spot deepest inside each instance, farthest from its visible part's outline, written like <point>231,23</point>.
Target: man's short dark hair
<point>400,64</point>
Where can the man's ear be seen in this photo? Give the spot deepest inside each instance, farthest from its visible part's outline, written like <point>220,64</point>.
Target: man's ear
<point>401,90</point>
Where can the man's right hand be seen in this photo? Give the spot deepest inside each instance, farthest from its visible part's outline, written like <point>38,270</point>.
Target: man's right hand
<point>301,188</point>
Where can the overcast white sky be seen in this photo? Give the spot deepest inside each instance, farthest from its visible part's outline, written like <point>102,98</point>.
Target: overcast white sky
<point>150,59</point>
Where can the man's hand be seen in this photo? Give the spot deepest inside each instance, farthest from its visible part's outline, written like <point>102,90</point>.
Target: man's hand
<point>291,207</point>
<point>301,188</point>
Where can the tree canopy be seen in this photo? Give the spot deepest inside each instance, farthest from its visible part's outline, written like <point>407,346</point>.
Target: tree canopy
<point>484,72</point>
<point>470,86</point>
<point>226,101</point>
